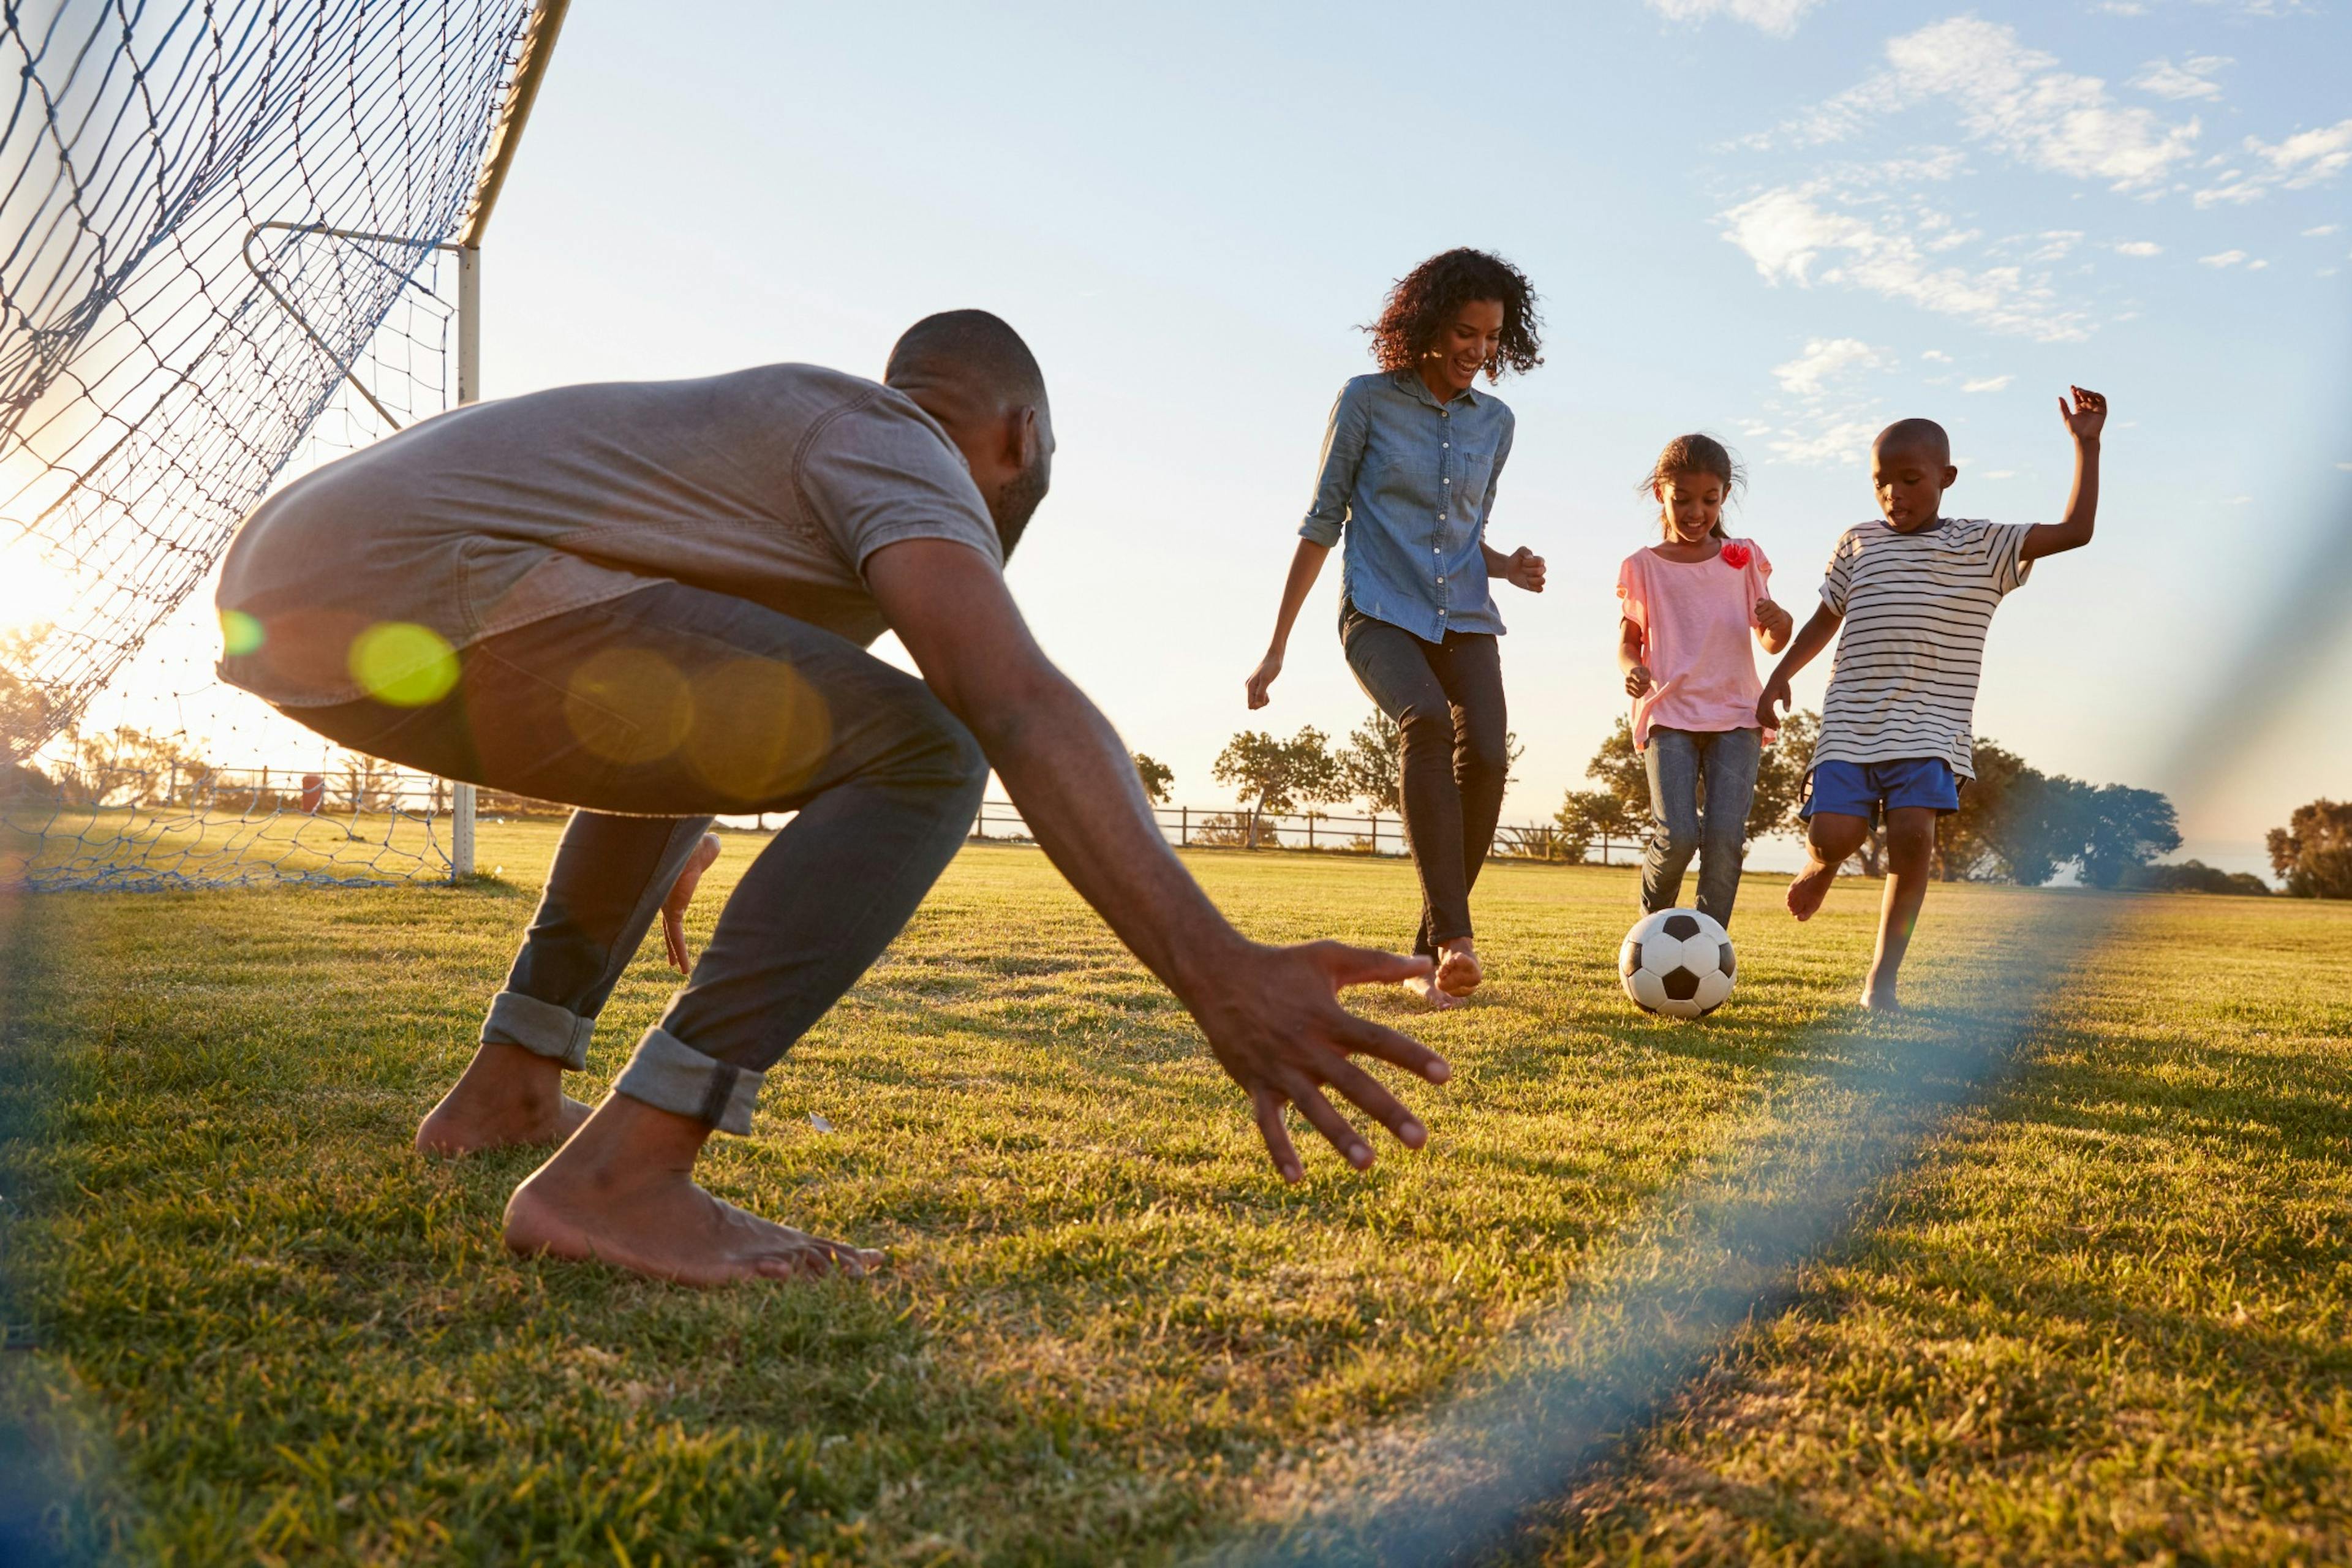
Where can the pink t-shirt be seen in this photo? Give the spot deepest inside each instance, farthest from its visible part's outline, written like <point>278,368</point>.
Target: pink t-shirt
<point>1695,616</point>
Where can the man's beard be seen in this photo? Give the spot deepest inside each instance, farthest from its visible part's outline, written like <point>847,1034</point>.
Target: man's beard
<point>1017,502</point>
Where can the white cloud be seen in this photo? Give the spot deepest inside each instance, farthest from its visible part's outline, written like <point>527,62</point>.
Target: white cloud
<point>2222,259</point>
<point>1937,355</point>
<point>1989,384</point>
<point>1824,360</point>
<point>2304,159</point>
<point>2013,99</point>
<point>1776,16</point>
<point>1806,235</point>
<point>2192,78</point>
<point>2237,500</point>
<point>1839,441</point>
<point>1999,474</point>
<point>2137,247</point>
<point>2322,231</point>
<point>2307,157</point>
<point>2347,467</point>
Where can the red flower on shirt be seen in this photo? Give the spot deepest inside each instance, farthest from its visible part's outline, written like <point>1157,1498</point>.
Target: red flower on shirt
<point>1736,555</point>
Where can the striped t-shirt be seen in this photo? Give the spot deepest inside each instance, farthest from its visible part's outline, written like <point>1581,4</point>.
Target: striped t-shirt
<point>1903,683</point>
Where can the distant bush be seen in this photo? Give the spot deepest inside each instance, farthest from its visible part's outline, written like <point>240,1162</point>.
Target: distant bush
<point>2194,876</point>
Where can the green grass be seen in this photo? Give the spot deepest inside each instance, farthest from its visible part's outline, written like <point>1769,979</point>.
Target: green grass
<point>2101,1319</point>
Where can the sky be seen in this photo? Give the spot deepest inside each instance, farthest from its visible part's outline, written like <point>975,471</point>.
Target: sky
<point>1785,222</point>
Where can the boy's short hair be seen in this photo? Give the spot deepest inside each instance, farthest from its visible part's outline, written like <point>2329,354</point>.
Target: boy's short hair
<point>1907,432</point>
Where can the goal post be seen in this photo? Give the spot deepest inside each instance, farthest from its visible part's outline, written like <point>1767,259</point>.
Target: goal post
<point>227,252</point>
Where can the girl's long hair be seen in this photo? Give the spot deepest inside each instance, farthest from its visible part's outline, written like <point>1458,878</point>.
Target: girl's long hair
<point>1696,453</point>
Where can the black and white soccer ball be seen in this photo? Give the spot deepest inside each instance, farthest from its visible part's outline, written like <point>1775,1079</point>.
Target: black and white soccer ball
<point>1678,963</point>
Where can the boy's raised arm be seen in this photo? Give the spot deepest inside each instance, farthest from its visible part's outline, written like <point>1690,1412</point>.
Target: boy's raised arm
<point>2084,421</point>
<point>1814,637</point>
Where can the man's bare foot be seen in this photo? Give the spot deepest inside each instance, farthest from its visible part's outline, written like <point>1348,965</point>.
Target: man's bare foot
<point>622,1193</point>
<point>1458,974</point>
<point>1811,886</point>
<point>508,1097</point>
<point>1426,988</point>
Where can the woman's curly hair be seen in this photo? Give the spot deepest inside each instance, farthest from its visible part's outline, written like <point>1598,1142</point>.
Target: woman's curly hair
<point>1422,300</point>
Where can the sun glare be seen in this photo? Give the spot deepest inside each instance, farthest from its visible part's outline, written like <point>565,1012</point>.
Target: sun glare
<point>33,593</point>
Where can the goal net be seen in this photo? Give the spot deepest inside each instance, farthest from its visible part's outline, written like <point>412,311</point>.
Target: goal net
<point>234,243</point>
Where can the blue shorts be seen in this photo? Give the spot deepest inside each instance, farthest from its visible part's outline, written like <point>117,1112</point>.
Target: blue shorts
<point>1865,789</point>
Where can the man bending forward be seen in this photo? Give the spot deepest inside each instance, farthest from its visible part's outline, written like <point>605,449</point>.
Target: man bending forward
<point>651,601</point>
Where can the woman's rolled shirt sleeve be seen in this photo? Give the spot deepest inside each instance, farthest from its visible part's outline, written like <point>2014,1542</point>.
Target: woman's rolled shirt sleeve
<point>1335,481</point>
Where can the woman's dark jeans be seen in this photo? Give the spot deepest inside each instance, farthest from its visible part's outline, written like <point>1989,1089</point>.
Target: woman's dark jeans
<point>653,713</point>
<point>1686,767</point>
<point>1447,700</point>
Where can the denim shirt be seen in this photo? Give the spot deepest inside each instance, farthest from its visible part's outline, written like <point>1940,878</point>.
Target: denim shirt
<point>1409,483</point>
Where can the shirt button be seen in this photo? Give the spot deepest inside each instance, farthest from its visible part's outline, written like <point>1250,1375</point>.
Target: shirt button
<point>1446,444</point>
<point>1445,481</point>
<point>1441,579</point>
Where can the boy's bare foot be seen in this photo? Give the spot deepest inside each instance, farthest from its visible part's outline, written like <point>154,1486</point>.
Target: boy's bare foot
<point>1881,999</point>
<point>1426,988</point>
<point>1458,974</point>
<point>1811,886</point>
<point>622,1193</point>
<point>508,1097</point>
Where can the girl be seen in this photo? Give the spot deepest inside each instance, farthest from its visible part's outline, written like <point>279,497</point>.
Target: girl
<point>1410,464</point>
<point>1690,602</point>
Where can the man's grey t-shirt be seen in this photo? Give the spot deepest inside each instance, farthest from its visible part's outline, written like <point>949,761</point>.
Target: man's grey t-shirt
<point>773,485</point>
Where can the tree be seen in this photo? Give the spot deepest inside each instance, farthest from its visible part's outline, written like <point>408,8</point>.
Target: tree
<point>1157,778</point>
<point>2313,853</point>
<point>128,766</point>
<point>2195,877</point>
<point>1372,765</point>
<point>369,784</point>
<point>1781,777</point>
<point>2118,829</point>
<point>1981,842</point>
<point>24,705</point>
<point>1271,775</point>
<point>1586,815</point>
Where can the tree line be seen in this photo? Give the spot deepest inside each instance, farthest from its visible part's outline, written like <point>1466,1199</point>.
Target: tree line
<point>2016,823</point>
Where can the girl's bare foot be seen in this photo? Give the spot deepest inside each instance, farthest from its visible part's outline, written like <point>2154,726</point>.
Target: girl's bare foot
<point>1426,988</point>
<point>508,1097</point>
<point>1458,974</point>
<point>622,1193</point>
<point>1811,886</point>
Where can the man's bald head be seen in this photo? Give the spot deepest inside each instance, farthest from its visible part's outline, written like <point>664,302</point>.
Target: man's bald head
<point>972,373</point>
<point>1923,436</point>
<point>970,356</point>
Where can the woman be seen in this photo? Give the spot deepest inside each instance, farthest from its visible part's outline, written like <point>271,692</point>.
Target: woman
<point>1410,465</point>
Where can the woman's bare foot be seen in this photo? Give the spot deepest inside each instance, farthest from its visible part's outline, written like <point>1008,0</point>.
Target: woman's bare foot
<point>508,1097</point>
<point>1811,886</point>
<point>622,1193</point>
<point>1458,974</point>
<point>1426,988</point>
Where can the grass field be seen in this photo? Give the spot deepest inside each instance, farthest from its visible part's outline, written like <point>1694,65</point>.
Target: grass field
<point>2102,1317</point>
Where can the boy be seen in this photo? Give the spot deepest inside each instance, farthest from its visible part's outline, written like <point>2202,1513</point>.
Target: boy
<point>1915,594</point>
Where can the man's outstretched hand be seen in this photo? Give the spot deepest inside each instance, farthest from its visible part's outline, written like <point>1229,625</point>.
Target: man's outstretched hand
<point>1276,1025</point>
<point>681,894</point>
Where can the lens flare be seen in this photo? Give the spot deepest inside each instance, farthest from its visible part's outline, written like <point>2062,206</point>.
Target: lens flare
<point>404,663</point>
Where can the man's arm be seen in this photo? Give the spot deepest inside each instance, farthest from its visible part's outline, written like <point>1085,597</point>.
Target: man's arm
<point>1271,1015</point>
<point>2085,421</point>
<point>1814,637</point>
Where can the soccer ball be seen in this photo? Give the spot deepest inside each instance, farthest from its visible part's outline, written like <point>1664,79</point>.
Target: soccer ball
<point>1678,963</point>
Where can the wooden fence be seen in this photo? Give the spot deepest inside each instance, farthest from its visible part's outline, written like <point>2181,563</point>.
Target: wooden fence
<point>1196,827</point>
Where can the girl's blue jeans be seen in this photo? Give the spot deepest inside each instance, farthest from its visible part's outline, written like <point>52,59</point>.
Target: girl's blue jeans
<point>1702,782</point>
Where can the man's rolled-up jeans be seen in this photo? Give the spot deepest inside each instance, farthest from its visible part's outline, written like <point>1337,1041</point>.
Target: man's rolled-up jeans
<point>653,713</point>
